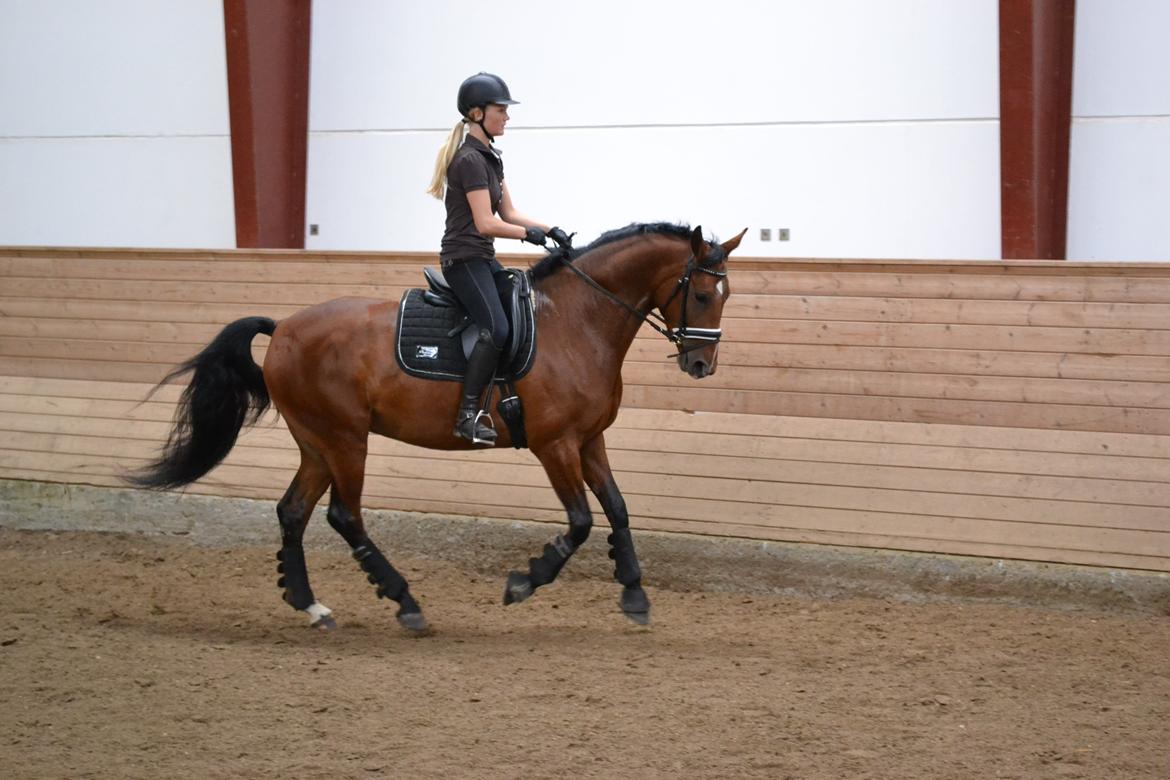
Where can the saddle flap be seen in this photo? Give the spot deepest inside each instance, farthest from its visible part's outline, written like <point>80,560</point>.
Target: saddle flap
<point>515,288</point>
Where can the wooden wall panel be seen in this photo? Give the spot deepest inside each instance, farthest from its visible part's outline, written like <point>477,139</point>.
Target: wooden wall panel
<point>1015,410</point>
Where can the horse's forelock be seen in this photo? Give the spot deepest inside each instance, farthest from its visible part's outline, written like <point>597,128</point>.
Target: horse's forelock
<point>717,254</point>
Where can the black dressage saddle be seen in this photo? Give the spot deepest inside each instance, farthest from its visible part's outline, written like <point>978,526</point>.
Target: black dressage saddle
<point>435,334</point>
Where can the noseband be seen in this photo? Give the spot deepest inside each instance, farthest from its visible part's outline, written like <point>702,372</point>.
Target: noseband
<point>681,335</point>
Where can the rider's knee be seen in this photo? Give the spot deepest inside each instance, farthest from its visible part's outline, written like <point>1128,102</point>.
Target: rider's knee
<point>497,334</point>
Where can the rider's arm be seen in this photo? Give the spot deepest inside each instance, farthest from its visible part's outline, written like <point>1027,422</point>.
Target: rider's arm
<point>509,214</point>
<point>487,223</point>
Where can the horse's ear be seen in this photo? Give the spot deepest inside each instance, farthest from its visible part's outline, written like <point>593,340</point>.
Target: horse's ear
<point>731,244</point>
<point>698,245</point>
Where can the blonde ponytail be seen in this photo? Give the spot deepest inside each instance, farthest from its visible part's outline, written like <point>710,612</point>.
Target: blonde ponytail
<point>446,153</point>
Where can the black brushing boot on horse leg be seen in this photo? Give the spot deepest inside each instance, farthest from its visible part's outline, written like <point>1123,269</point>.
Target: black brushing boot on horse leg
<point>388,583</point>
<point>563,466</point>
<point>634,602</point>
<point>293,511</point>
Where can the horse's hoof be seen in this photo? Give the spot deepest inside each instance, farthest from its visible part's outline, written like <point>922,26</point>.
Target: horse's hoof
<point>635,605</point>
<point>413,621</point>
<point>320,616</point>
<point>639,618</point>
<point>517,588</point>
<point>325,623</point>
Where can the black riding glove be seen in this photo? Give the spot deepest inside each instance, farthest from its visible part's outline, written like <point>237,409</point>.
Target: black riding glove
<point>564,241</point>
<point>534,235</point>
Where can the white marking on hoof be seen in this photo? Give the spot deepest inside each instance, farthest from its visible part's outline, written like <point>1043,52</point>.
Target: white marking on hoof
<point>317,612</point>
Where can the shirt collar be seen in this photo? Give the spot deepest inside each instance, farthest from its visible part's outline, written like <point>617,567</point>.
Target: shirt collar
<point>484,149</point>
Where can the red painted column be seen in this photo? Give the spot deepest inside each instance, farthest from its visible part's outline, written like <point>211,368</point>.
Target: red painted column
<point>268,96</point>
<point>1035,113</point>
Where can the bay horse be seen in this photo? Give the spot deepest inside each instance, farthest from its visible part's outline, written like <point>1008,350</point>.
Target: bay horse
<point>331,372</point>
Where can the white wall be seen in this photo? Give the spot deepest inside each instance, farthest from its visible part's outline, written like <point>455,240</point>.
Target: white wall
<point>866,129</point>
<point>114,124</point>
<point>1119,167</point>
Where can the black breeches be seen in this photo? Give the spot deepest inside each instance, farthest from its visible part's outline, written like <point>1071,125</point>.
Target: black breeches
<point>474,284</point>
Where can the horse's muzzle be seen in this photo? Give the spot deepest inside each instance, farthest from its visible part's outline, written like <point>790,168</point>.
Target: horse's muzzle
<point>697,366</point>
<point>699,369</point>
<point>693,344</point>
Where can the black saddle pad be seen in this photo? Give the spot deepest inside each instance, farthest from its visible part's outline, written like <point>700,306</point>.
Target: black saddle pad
<point>429,341</point>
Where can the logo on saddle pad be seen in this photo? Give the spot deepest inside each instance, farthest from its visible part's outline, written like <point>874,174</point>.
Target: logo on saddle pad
<point>427,352</point>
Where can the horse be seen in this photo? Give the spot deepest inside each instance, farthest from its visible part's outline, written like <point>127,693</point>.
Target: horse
<point>329,370</point>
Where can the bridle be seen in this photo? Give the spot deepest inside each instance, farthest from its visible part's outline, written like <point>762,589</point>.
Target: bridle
<point>699,338</point>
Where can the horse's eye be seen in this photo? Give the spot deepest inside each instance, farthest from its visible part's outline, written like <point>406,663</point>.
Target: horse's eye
<point>703,297</point>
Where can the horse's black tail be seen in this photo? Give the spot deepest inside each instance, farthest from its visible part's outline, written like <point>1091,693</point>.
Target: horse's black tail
<point>226,392</point>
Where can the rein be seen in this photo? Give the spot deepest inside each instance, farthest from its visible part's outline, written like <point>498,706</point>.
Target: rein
<point>677,336</point>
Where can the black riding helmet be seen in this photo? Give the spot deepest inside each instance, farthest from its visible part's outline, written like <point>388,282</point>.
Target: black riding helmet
<point>479,91</point>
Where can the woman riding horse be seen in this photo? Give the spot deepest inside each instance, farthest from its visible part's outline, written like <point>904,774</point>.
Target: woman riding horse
<point>473,175</point>
<point>331,374</point>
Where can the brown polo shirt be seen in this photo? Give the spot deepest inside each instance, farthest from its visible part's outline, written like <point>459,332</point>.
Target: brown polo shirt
<point>474,167</point>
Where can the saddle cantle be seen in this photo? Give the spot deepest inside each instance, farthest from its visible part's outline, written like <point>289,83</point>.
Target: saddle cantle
<point>435,335</point>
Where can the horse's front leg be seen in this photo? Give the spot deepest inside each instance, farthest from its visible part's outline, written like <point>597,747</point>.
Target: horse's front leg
<point>634,601</point>
<point>562,463</point>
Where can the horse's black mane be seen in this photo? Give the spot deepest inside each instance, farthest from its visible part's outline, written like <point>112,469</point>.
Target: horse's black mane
<point>555,259</point>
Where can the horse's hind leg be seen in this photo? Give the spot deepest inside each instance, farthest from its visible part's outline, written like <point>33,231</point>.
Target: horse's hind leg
<point>348,465</point>
<point>634,602</point>
<point>294,511</point>
<point>562,463</point>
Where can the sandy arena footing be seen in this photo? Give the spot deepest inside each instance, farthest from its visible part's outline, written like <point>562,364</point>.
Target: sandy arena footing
<point>675,561</point>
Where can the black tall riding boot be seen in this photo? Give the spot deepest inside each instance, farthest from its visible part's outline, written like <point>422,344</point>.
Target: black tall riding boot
<point>471,423</point>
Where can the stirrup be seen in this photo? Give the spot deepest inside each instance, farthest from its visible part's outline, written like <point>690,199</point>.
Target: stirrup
<point>469,428</point>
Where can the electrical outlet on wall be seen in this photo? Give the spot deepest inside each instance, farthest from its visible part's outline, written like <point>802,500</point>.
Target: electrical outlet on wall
<point>765,234</point>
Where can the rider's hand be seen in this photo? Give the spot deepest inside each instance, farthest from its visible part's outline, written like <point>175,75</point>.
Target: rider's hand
<point>563,240</point>
<point>534,235</point>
